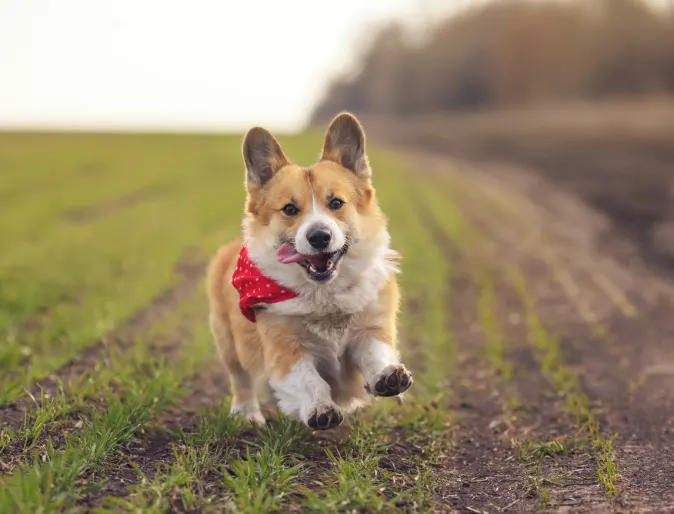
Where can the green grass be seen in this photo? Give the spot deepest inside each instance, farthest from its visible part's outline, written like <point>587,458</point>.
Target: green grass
<point>261,480</point>
<point>355,482</point>
<point>119,370</point>
<point>560,446</point>
<point>113,401</point>
<point>48,410</point>
<point>90,276</point>
<point>496,345</point>
<point>425,279</point>
<point>607,467</point>
<point>184,482</point>
<point>49,484</point>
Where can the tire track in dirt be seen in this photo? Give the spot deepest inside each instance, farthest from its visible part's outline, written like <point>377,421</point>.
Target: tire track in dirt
<point>632,349</point>
<point>189,270</point>
<point>479,472</point>
<point>608,366</point>
<point>487,473</point>
<point>477,466</point>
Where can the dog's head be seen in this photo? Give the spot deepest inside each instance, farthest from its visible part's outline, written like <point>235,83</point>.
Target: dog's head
<point>307,224</point>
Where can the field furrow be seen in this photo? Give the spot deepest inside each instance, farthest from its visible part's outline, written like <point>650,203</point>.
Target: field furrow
<point>583,336</point>
<point>511,414</point>
<point>542,375</point>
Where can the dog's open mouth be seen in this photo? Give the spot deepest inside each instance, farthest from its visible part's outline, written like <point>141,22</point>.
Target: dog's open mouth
<point>320,266</point>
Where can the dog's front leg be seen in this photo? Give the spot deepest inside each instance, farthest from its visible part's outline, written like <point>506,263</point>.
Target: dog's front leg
<point>298,386</point>
<point>303,393</point>
<point>381,367</point>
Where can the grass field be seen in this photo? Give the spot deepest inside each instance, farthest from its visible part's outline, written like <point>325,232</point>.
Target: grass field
<point>112,399</point>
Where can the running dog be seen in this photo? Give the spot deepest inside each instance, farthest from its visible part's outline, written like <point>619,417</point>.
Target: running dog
<point>306,299</point>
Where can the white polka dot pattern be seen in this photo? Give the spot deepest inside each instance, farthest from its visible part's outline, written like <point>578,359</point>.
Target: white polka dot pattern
<point>255,288</point>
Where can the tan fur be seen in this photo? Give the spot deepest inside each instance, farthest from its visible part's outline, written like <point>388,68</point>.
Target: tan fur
<point>269,348</point>
<point>325,179</point>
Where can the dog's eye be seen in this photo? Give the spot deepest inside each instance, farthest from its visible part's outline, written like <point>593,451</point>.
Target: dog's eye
<point>336,204</point>
<point>290,210</point>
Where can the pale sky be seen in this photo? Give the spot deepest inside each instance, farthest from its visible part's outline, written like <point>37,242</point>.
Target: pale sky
<point>168,64</point>
<point>181,64</point>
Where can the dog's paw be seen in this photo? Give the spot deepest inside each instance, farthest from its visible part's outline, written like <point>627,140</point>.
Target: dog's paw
<point>324,417</point>
<point>250,411</point>
<point>393,380</point>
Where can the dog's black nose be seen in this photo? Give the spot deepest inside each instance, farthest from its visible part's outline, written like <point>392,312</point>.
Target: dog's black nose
<point>319,238</point>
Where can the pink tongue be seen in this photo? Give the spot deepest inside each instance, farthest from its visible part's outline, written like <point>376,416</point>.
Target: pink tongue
<point>287,254</point>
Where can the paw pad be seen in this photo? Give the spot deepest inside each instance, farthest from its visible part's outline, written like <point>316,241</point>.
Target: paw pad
<point>393,381</point>
<point>324,418</point>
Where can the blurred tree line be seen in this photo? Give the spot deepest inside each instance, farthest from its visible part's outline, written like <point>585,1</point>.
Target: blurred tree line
<point>512,53</point>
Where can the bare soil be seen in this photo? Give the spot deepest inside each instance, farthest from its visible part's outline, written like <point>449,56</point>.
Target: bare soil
<point>485,471</point>
<point>585,211</point>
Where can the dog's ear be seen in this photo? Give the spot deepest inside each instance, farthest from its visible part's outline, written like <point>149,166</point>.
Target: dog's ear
<point>263,157</point>
<point>345,144</point>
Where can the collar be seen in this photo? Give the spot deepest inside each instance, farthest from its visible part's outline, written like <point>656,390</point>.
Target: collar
<point>255,288</point>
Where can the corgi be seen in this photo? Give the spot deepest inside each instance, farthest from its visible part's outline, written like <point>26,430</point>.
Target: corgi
<point>306,299</point>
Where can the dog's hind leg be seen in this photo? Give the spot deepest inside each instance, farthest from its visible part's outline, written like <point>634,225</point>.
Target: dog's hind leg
<point>244,397</point>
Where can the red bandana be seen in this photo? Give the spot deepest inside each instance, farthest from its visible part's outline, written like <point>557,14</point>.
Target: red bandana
<point>254,288</point>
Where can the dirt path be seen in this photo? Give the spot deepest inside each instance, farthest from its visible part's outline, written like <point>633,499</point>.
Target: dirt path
<point>615,337</point>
